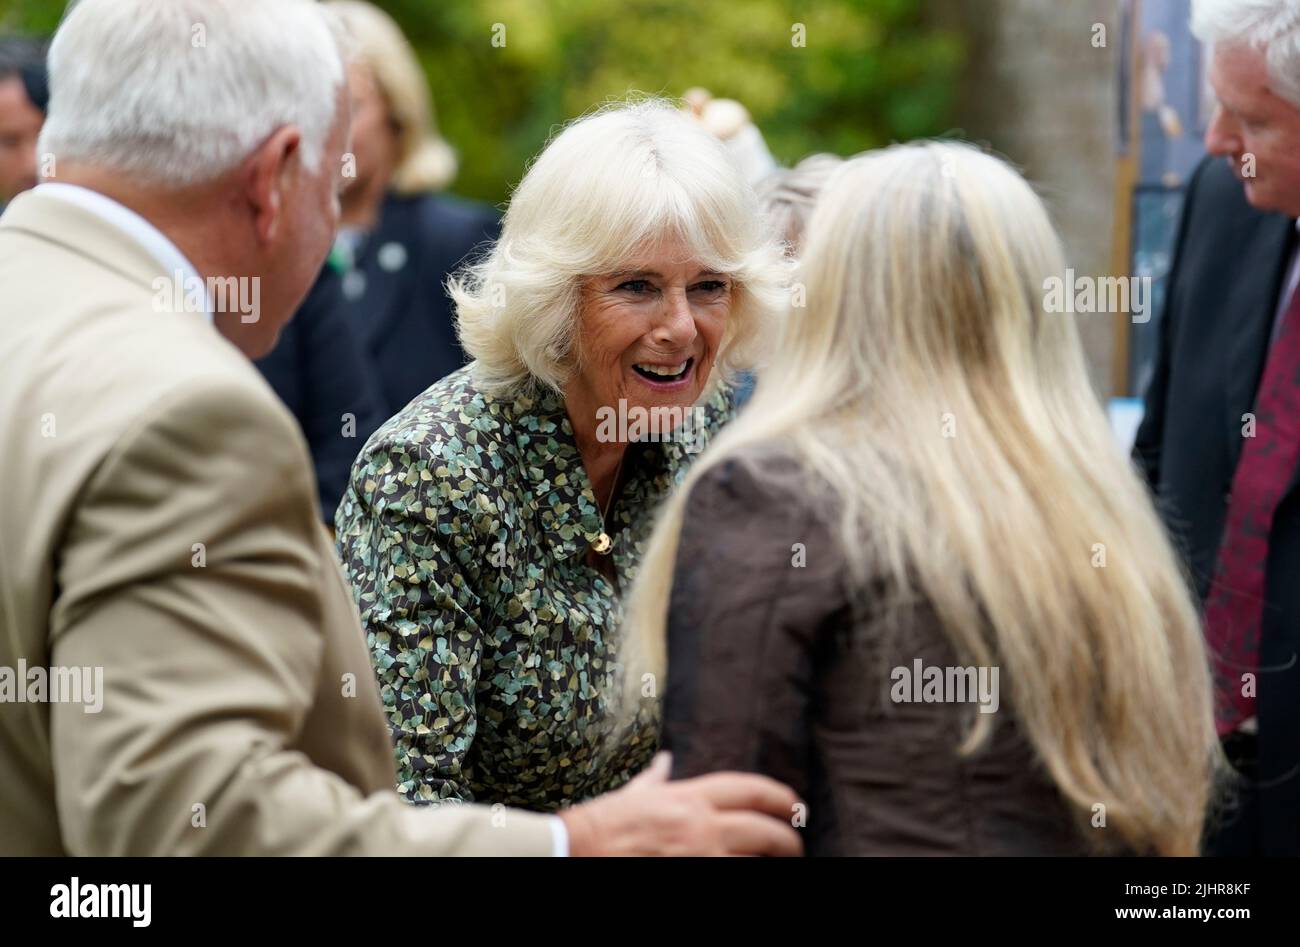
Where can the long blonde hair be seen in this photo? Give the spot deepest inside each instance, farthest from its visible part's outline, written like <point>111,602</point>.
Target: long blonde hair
<point>927,389</point>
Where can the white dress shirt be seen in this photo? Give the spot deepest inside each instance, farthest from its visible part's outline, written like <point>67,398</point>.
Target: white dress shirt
<point>135,228</point>
<point>1289,286</point>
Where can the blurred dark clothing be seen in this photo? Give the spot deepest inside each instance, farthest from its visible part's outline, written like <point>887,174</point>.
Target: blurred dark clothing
<point>1230,262</point>
<point>376,329</point>
<point>393,291</point>
<point>770,671</point>
<point>36,82</point>
<point>319,370</point>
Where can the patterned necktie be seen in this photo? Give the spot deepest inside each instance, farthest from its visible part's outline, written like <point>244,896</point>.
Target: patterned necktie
<point>1234,608</point>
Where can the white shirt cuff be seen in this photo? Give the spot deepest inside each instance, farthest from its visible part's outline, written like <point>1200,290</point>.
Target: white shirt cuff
<point>559,838</point>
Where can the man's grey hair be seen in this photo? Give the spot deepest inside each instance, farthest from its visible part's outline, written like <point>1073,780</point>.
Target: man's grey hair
<point>178,92</point>
<point>1269,25</point>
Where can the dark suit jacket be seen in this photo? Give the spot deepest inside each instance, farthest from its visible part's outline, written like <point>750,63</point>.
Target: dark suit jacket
<point>402,312</point>
<point>365,343</point>
<point>320,372</point>
<point>1229,266</point>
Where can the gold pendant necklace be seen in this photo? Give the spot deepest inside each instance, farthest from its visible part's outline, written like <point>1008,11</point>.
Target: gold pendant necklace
<point>604,543</point>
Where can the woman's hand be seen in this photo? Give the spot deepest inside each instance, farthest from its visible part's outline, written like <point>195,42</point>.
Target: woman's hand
<point>717,814</point>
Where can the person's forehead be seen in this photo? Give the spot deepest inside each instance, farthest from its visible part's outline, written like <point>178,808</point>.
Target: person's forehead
<point>665,254</point>
<point>14,103</point>
<point>12,89</point>
<point>1238,71</point>
<point>361,78</point>
<point>342,124</point>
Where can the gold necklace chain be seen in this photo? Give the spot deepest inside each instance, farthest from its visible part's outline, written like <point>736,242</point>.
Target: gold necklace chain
<point>604,542</point>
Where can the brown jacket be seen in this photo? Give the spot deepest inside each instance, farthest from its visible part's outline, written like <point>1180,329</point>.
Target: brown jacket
<point>159,522</point>
<point>771,671</point>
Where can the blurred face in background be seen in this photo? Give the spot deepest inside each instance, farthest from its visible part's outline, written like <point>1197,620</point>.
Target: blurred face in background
<point>374,135</point>
<point>20,124</point>
<point>1252,120</point>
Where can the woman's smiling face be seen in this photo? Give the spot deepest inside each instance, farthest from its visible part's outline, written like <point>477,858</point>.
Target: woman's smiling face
<point>648,334</point>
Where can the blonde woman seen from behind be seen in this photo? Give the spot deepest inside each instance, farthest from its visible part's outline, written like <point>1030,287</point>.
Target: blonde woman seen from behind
<point>915,579</point>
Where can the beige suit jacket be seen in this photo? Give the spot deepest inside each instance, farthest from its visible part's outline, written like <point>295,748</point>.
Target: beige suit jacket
<point>158,520</point>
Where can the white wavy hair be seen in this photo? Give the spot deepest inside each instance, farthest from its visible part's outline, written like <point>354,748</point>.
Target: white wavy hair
<point>1270,25</point>
<point>608,186</point>
<point>178,92</point>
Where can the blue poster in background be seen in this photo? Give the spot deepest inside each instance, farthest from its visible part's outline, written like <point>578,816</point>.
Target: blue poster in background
<point>1174,106</point>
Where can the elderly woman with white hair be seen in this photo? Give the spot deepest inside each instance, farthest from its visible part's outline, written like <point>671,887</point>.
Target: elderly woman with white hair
<point>492,525</point>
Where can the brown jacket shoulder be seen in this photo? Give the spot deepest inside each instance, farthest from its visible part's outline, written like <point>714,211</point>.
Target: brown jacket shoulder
<point>778,665</point>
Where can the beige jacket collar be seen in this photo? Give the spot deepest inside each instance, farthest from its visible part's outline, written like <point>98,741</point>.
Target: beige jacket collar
<point>102,230</point>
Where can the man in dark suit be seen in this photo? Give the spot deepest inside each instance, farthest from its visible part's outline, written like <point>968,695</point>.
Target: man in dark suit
<point>380,309</point>
<point>377,328</point>
<point>393,292</point>
<point>1220,443</point>
<point>321,373</point>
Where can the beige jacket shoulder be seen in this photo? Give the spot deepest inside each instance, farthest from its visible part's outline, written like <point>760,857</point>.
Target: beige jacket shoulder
<point>159,522</point>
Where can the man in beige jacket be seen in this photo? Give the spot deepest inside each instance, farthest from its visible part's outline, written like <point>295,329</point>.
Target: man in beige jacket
<point>181,665</point>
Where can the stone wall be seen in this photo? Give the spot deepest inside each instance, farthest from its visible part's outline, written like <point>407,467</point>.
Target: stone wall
<point>1040,93</point>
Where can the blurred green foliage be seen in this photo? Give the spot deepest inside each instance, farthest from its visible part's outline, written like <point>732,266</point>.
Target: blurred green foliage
<point>30,16</point>
<point>871,71</point>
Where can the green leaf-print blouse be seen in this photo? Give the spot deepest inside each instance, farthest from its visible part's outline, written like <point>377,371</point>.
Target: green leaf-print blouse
<point>464,532</point>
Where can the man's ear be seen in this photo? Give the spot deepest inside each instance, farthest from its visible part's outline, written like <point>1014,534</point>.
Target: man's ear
<point>265,176</point>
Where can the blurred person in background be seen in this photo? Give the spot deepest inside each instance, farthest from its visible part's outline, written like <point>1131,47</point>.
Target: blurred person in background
<point>789,195</point>
<point>400,238</point>
<point>320,371</point>
<point>492,526</point>
<point>24,92</point>
<point>730,122</point>
<point>1220,441</point>
<point>922,479</point>
<point>159,501</point>
<point>377,327</point>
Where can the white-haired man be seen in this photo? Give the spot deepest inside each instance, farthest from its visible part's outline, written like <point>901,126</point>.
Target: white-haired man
<point>1220,443</point>
<point>181,665</point>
